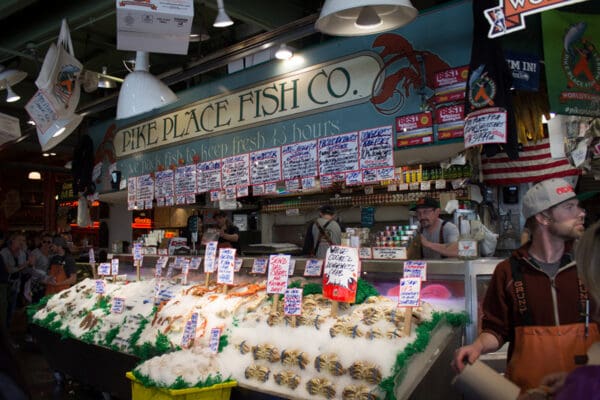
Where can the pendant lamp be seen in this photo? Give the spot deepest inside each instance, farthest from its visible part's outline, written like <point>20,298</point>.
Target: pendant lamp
<point>141,91</point>
<point>360,17</point>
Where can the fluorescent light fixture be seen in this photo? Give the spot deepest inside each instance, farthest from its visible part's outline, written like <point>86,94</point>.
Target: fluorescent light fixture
<point>34,176</point>
<point>364,17</point>
<point>222,19</point>
<point>284,53</point>
<point>141,91</point>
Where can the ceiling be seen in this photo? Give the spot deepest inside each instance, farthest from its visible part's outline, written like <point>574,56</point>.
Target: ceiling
<point>29,26</point>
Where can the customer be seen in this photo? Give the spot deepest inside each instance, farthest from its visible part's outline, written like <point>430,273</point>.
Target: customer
<point>14,260</point>
<point>534,300</point>
<point>40,259</point>
<point>439,238</point>
<point>63,270</point>
<point>229,234</point>
<point>326,231</point>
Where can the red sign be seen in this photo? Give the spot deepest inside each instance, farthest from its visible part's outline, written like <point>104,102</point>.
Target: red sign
<point>451,76</point>
<point>509,16</point>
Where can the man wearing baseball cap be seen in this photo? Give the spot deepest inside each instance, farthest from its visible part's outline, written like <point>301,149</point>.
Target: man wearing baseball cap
<point>326,231</point>
<point>535,300</point>
<point>439,238</point>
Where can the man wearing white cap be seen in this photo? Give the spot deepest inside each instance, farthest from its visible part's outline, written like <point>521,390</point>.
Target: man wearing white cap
<point>535,300</point>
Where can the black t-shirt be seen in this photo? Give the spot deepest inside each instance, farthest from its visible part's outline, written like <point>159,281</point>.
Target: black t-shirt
<point>232,230</point>
<point>3,272</point>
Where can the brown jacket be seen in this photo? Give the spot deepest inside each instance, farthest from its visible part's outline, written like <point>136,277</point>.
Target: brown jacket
<point>500,306</point>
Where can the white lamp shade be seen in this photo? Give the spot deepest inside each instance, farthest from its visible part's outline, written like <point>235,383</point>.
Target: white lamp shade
<point>34,176</point>
<point>11,96</point>
<point>338,17</point>
<point>284,53</point>
<point>142,92</point>
<point>10,77</point>
<point>222,19</point>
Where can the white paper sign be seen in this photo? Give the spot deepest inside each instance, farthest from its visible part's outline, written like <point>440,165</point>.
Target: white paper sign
<point>291,267</point>
<point>118,304</point>
<point>365,253</point>
<point>313,267</point>
<point>265,165</point>
<point>214,339</point>
<point>410,292</point>
<point>299,160</point>
<point>278,273</point>
<point>238,264</point>
<point>161,263</point>
<point>100,286</point>
<point>195,263</point>
<point>114,266</point>
<point>104,269</point>
<point>226,262</point>
<point>415,269</point>
<point>292,301</point>
<point>485,126</point>
<point>338,154</point>
<point>259,266</point>
<point>209,265</point>
<point>389,253</point>
<point>189,332</point>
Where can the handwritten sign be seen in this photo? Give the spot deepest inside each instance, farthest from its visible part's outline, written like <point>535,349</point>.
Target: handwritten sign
<point>114,266</point>
<point>376,148</point>
<point>292,301</point>
<point>313,267</point>
<point>389,253</point>
<point>164,184</point>
<point>213,340</point>
<point>161,263</point>
<point>210,255</point>
<point>185,180</point>
<point>415,269</point>
<point>208,176</point>
<point>226,262</point>
<point>259,266</point>
<point>210,264</point>
<point>157,287</point>
<point>365,253</point>
<point>145,189</point>
<point>265,165</point>
<point>291,267</point>
<point>278,273</point>
<point>137,252</point>
<point>340,276</point>
<point>195,263</point>
<point>118,304</point>
<point>467,248</point>
<point>185,269</point>
<point>410,292</point>
<point>236,171</point>
<point>485,126</point>
<point>189,332</point>
<point>238,264</point>
<point>338,154</point>
<point>100,286</point>
<point>299,160</point>
<point>104,269</point>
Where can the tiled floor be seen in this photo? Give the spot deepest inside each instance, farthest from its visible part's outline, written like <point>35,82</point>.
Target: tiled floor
<point>39,376</point>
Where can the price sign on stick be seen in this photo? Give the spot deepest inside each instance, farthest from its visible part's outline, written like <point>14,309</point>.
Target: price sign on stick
<point>195,263</point>
<point>238,264</point>
<point>409,296</point>
<point>118,304</point>
<point>259,266</point>
<point>100,286</point>
<point>114,266</point>
<point>292,267</point>
<point>185,269</point>
<point>161,263</point>
<point>415,269</point>
<point>226,262</point>
<point>213,340</point>
<point>313,267</point>
<point>278,273</point>
<point>91,256</point>
<point>292,301</point>
<point>189,332</point>
<point>211,250</point>
<point>340,276</point>
<point>104,269</point>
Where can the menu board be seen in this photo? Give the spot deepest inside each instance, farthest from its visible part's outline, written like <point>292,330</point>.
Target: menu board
<point>145,190</point>
<point>338,154</point>
<point>340,277</point>
<point>236,171</point>
<point>208,176</point>
<point>185,180</point>
<point>299,160</point>
<point>163,185</point>
<point>376,148</point>
<point>265,165</point>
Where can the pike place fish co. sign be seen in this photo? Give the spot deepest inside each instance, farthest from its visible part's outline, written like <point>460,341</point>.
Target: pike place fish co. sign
<point>509,16</point>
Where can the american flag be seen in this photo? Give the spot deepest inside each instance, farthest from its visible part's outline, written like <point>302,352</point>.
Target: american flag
<point>534,164</point>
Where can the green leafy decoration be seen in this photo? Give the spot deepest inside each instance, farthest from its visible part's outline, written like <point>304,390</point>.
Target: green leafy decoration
<point>223,342</point>
<point>423,332</point>
<point>179,383</point>
<point>110,336</point>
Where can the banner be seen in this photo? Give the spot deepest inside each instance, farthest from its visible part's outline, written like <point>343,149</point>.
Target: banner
<point>571,44</point>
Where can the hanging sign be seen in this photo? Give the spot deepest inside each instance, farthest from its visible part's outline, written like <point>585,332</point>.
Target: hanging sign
<point>338,154</point>
<point>414,129</point>
<point>208,176</point>
<point>450,121</point>
<point>236,171</point>
<point>485,126</point>
<point>376,148</point>
<point>164,186</point>
<point>299,160</point>
<point>509,16</point>
<point>265,166</point>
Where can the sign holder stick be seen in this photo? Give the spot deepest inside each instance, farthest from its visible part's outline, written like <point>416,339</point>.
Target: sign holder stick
<point>94,272</point>
<point>137,270</point>
<point>334,309</point>
<point>207,280</point>
<point>407,321</point>
<point>275,302</point>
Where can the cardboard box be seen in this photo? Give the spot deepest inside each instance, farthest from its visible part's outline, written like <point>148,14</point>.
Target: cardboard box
<point>156,26</point>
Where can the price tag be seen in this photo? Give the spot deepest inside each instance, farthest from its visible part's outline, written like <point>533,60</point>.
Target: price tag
<point>415,269</point>
<point>440,184</point>
<point>100,286</point>
<point>403,186</point>
<point>259,266</point>
<point>414,186</point>
<point>292,301</point>
<point>389,253</point>
<point>214,339</point>
<point>226,262</point>
<point>410,292</point>
<point>313,267</point>
<point>467,248</point>
<point>195,263</point>
<point>189,332</point>
<point>368,189</point>
<point>104,269</point>
<point>365,253</point>
<point>425,185</point>
<point>457,183</point>
<point>292,211</point>
<point>118,304</point>
<point>238,264</point>
<point>114,266</point>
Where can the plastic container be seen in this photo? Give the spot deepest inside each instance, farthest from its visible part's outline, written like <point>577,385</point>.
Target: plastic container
<point>220,391</point>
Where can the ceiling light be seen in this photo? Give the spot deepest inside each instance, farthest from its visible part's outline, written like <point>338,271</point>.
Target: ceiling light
<point>31,122</point>
<point>52,154</point>
<point>284,53</point>
<point>11,96</point>
<point>34,176</point>
<point>141,91</point>
<point>105,82</point>
<point>360,17</point>
<point>46,154</point>
<point>222,19</point>
<point>8,78</point>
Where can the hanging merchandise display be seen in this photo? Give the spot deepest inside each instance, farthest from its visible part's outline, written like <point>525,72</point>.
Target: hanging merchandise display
<point>53,106</point>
